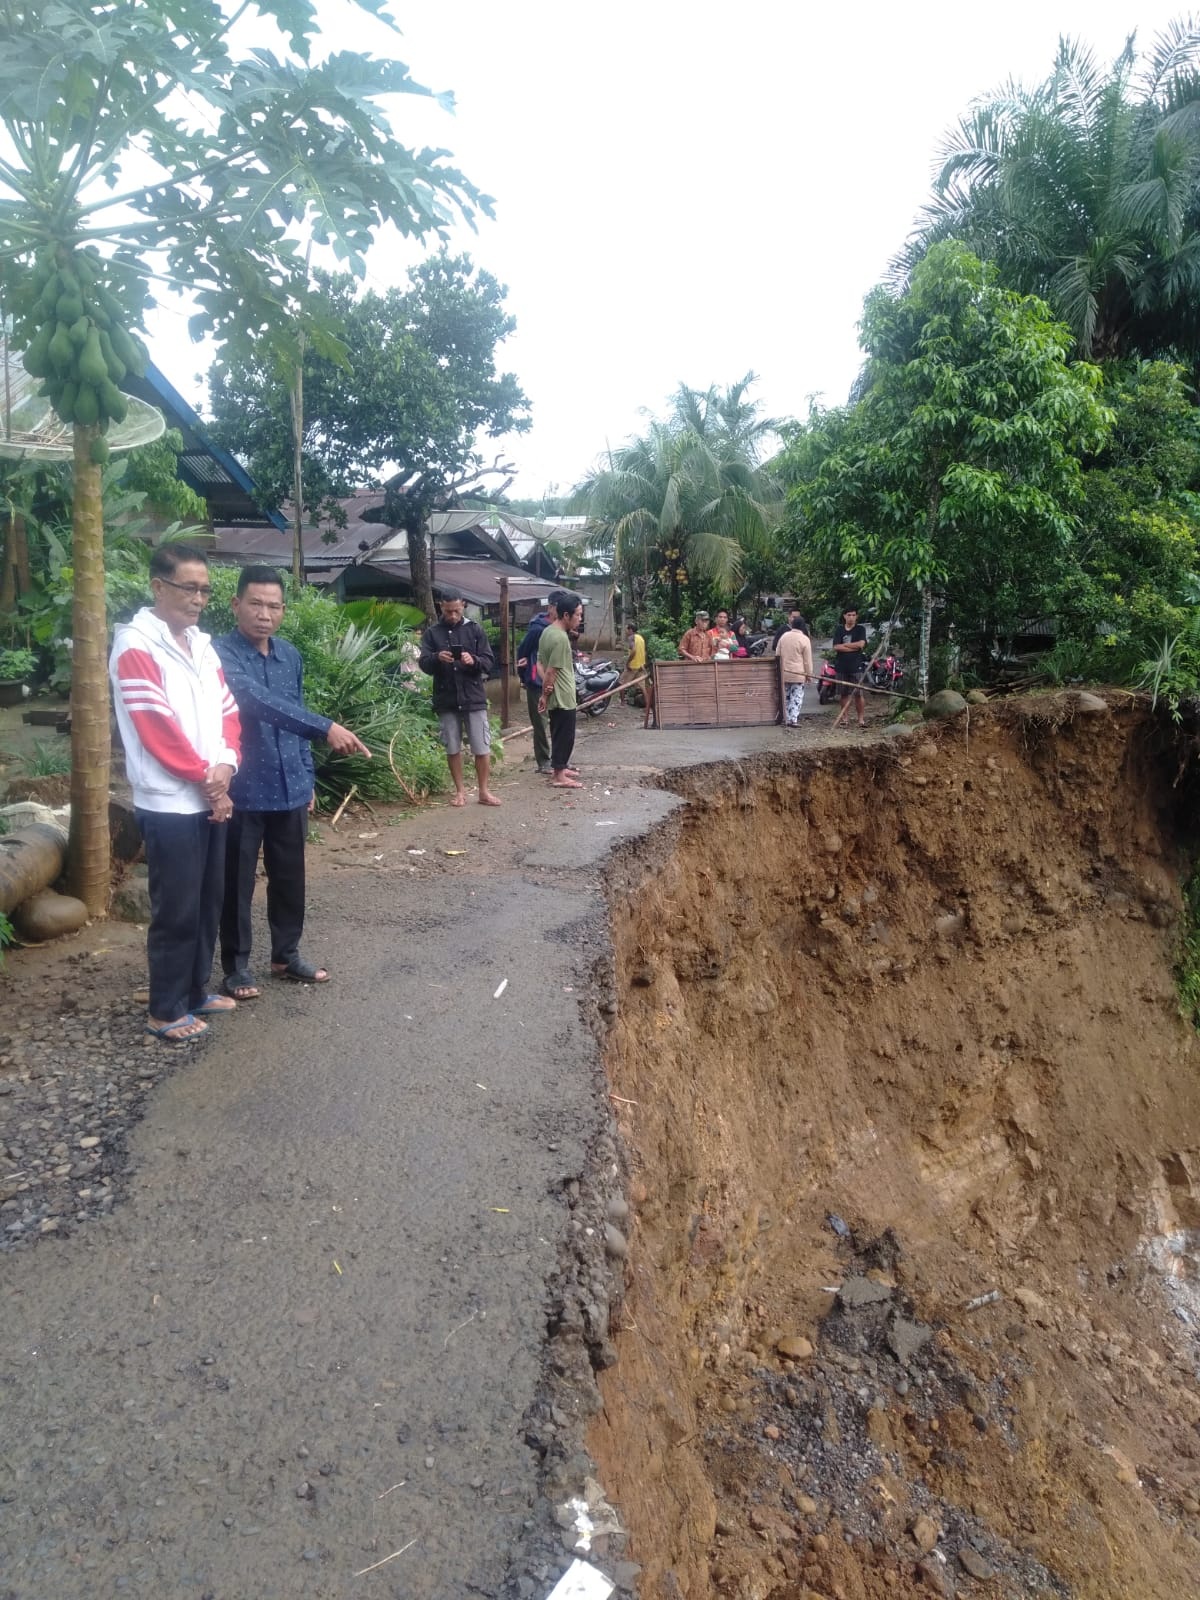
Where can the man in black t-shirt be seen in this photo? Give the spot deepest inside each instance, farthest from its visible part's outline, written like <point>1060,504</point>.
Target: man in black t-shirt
<point>850,659</point>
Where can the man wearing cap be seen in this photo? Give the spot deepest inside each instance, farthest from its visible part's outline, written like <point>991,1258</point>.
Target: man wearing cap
<point>697,643</point>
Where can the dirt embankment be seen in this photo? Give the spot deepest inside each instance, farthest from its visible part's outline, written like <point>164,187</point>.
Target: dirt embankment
<point>897,1029</point>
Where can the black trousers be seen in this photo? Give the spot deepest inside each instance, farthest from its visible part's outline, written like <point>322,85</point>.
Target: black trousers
<point>280,835</point>
<point>541,739</point>
<point>185,862</point>
<point>562,737</point>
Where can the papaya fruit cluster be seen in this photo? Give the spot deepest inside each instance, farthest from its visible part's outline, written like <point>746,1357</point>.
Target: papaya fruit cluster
<point>79,344</point>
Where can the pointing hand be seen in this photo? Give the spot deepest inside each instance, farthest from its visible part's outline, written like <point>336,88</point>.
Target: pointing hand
<point>344,743</point>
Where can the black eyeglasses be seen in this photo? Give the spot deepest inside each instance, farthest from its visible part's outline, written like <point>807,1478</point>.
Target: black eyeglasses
<point>203,590</point>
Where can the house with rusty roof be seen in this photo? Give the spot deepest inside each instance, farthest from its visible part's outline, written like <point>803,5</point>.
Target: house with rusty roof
<point>471,552</point>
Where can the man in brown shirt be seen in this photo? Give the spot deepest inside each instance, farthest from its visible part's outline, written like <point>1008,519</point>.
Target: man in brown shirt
<point>697,643</point>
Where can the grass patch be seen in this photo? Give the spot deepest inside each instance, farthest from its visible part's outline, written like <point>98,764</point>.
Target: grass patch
<point>48,760</point>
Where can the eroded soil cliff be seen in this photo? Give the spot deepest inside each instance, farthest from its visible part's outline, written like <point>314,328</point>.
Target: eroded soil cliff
<point>897,1031</point>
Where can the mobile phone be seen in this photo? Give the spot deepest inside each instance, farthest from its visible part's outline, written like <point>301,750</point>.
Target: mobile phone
<point>456,651</point>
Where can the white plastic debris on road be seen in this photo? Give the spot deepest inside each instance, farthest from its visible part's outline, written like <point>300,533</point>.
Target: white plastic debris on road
<point>581,1521</point>
<point>581,1581</point>
<point>587,1515</point>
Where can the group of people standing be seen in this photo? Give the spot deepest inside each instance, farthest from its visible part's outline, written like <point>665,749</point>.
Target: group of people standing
<point>217,742</point>
<point>218,753</point>
<point>722,641</point>
<point>546,668</point>
<point>792,645</point>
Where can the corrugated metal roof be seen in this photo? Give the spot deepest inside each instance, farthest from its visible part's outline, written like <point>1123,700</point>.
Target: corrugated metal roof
<point>360,541</point>
<point>476,581</point>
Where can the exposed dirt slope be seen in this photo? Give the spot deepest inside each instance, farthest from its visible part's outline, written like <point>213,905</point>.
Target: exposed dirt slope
<point>900,1018</point>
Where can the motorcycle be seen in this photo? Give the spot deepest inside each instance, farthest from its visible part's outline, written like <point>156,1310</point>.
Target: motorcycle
<point>885,674</point>
<point>594,678</point>
<point>827,684</point>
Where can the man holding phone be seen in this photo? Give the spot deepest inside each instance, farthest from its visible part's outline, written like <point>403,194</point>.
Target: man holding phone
<point>456,654</point>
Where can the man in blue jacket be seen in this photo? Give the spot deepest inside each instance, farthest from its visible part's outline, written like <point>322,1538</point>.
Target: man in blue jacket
<point>527,671</point>
<point>272,793</point>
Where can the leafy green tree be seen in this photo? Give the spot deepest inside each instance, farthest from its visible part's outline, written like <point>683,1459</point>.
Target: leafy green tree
<point>408,405</point>
<point>1137,551</point>
<point>1084,190</point>
<point>154,472</point>
<point>139,145</point>
<point>956,476</point>
<point>690,500</point>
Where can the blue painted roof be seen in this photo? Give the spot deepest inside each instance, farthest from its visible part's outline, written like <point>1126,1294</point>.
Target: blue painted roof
<point>204,466</point>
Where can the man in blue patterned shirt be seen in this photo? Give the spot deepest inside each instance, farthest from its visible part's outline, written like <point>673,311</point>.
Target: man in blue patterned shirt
<point>273,791</point>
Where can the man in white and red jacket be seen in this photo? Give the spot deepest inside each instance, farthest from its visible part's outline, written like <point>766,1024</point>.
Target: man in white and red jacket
<point>182,739</point>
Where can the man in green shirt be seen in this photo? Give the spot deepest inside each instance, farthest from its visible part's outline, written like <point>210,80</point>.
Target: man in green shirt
<point>556,663</point>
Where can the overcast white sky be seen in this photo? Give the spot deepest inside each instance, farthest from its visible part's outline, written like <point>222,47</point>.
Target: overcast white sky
<point>688,191</point>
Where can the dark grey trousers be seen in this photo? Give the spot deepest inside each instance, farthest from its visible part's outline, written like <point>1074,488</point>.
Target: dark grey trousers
<point>281,836</point>
<point>185,861</point>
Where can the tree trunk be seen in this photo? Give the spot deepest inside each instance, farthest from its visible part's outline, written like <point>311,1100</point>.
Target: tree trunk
<point>14,574</point>
<point>926,632</point>
<point>933,513</point>
<point>297,401</point>
<point>88,869</point>
<point>420,574</point>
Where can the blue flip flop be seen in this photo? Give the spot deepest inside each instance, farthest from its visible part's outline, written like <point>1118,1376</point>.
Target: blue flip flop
<point>211,1006</point>
<point>163,1034</point>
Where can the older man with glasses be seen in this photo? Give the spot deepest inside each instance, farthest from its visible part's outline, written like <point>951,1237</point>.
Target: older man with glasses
<point>179,726</point>
<point>273,791</point>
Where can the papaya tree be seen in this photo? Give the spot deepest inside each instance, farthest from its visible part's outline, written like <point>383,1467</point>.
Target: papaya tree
<point>143,147</point>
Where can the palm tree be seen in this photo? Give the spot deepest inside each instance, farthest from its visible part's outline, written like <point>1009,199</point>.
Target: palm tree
<point>1086,191</point>
<point>688,498</point>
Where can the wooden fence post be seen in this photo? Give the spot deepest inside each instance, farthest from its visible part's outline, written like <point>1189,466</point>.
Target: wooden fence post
<point>505,624</point>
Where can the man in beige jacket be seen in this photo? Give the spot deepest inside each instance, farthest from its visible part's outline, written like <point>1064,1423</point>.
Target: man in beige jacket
<point>795,656</point>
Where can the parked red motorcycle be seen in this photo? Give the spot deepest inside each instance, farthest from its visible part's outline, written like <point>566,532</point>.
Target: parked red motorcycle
<point>885,674</point>
<point>827,684</point>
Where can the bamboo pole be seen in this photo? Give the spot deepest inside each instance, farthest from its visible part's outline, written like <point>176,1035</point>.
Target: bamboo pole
<point>606,694</point>
<point>349,795</point>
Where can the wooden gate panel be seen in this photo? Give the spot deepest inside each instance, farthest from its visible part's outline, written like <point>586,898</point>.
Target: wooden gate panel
<point>717,694</point>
